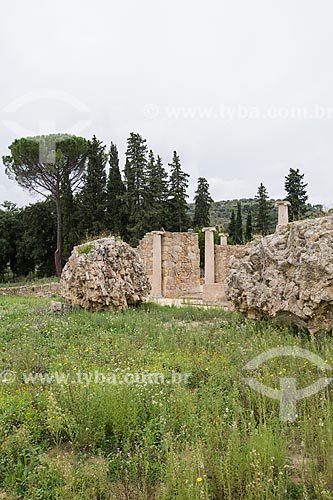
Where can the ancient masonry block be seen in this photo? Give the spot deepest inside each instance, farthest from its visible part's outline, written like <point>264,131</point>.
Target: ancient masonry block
<point>178,256</point>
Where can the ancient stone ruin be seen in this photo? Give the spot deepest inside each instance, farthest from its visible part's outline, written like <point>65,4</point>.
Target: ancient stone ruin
<point>172,261</point>
<point>104,274</point>
<point>288,276</point>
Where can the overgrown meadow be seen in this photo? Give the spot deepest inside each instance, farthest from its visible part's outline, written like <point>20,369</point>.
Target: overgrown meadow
<point>121,435</point>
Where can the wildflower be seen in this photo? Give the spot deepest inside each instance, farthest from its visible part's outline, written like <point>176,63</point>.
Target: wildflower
<point>199,479</point>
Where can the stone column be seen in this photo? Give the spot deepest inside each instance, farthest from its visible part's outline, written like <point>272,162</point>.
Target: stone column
<point>209,255</point>
<point>156,288</point>
<point>283,217</point>
<point>223,238</point>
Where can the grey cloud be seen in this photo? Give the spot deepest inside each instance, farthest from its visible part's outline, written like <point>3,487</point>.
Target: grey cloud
<point>119,57</point>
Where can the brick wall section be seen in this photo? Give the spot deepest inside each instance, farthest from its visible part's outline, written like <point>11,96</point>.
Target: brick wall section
<point>223,254</point>
<point>180,262</point>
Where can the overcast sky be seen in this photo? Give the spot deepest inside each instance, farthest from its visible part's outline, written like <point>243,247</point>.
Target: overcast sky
<point>241,89</point>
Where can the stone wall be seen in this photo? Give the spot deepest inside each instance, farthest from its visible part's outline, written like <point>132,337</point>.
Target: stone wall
<point>223,254</point>
<point>215,293</point>
<point>145,249</point>
<point>180,262</point>
<point>47,290</point>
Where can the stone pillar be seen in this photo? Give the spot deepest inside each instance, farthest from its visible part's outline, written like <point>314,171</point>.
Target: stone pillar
<point>283,217</point>
<point>223,238</point>
<point>156,286</point>
<point>209,255</point>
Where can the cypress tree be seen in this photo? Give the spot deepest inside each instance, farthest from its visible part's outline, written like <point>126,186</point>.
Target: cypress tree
<point>156,193</point>
<point>178,184</point>
<point>262,222</point>
<point>239,225</point>
<point>136,186</point>
<point>248,227</point>
<point>93,193</point>
<point>232,226</point>
<point>203,201</point>
<point>115,190</point>
<point>297,194</point>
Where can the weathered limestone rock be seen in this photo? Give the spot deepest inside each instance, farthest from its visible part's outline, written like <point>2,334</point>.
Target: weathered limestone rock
<point>104,274</point>
<point>288,275</point>
<point>60,307</point>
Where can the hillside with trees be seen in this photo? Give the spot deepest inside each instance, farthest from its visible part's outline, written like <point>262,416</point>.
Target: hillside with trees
<point>221,211</point>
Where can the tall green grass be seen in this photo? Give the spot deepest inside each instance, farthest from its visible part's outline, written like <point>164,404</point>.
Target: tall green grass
<point>212,438</point>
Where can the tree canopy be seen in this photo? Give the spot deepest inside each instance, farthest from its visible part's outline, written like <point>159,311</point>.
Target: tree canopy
<point>41,164</point>
<point>262,222</point>
<point>85,198</point>
<point>178,184</point>
<point>202,203</point>
<point>296,194</point>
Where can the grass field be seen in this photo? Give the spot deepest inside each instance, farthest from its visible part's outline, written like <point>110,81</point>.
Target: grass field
<point>80,417</point>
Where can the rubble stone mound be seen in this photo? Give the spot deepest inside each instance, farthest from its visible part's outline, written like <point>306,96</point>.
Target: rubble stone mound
<point>104,274</point>
<point>288,276</point>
